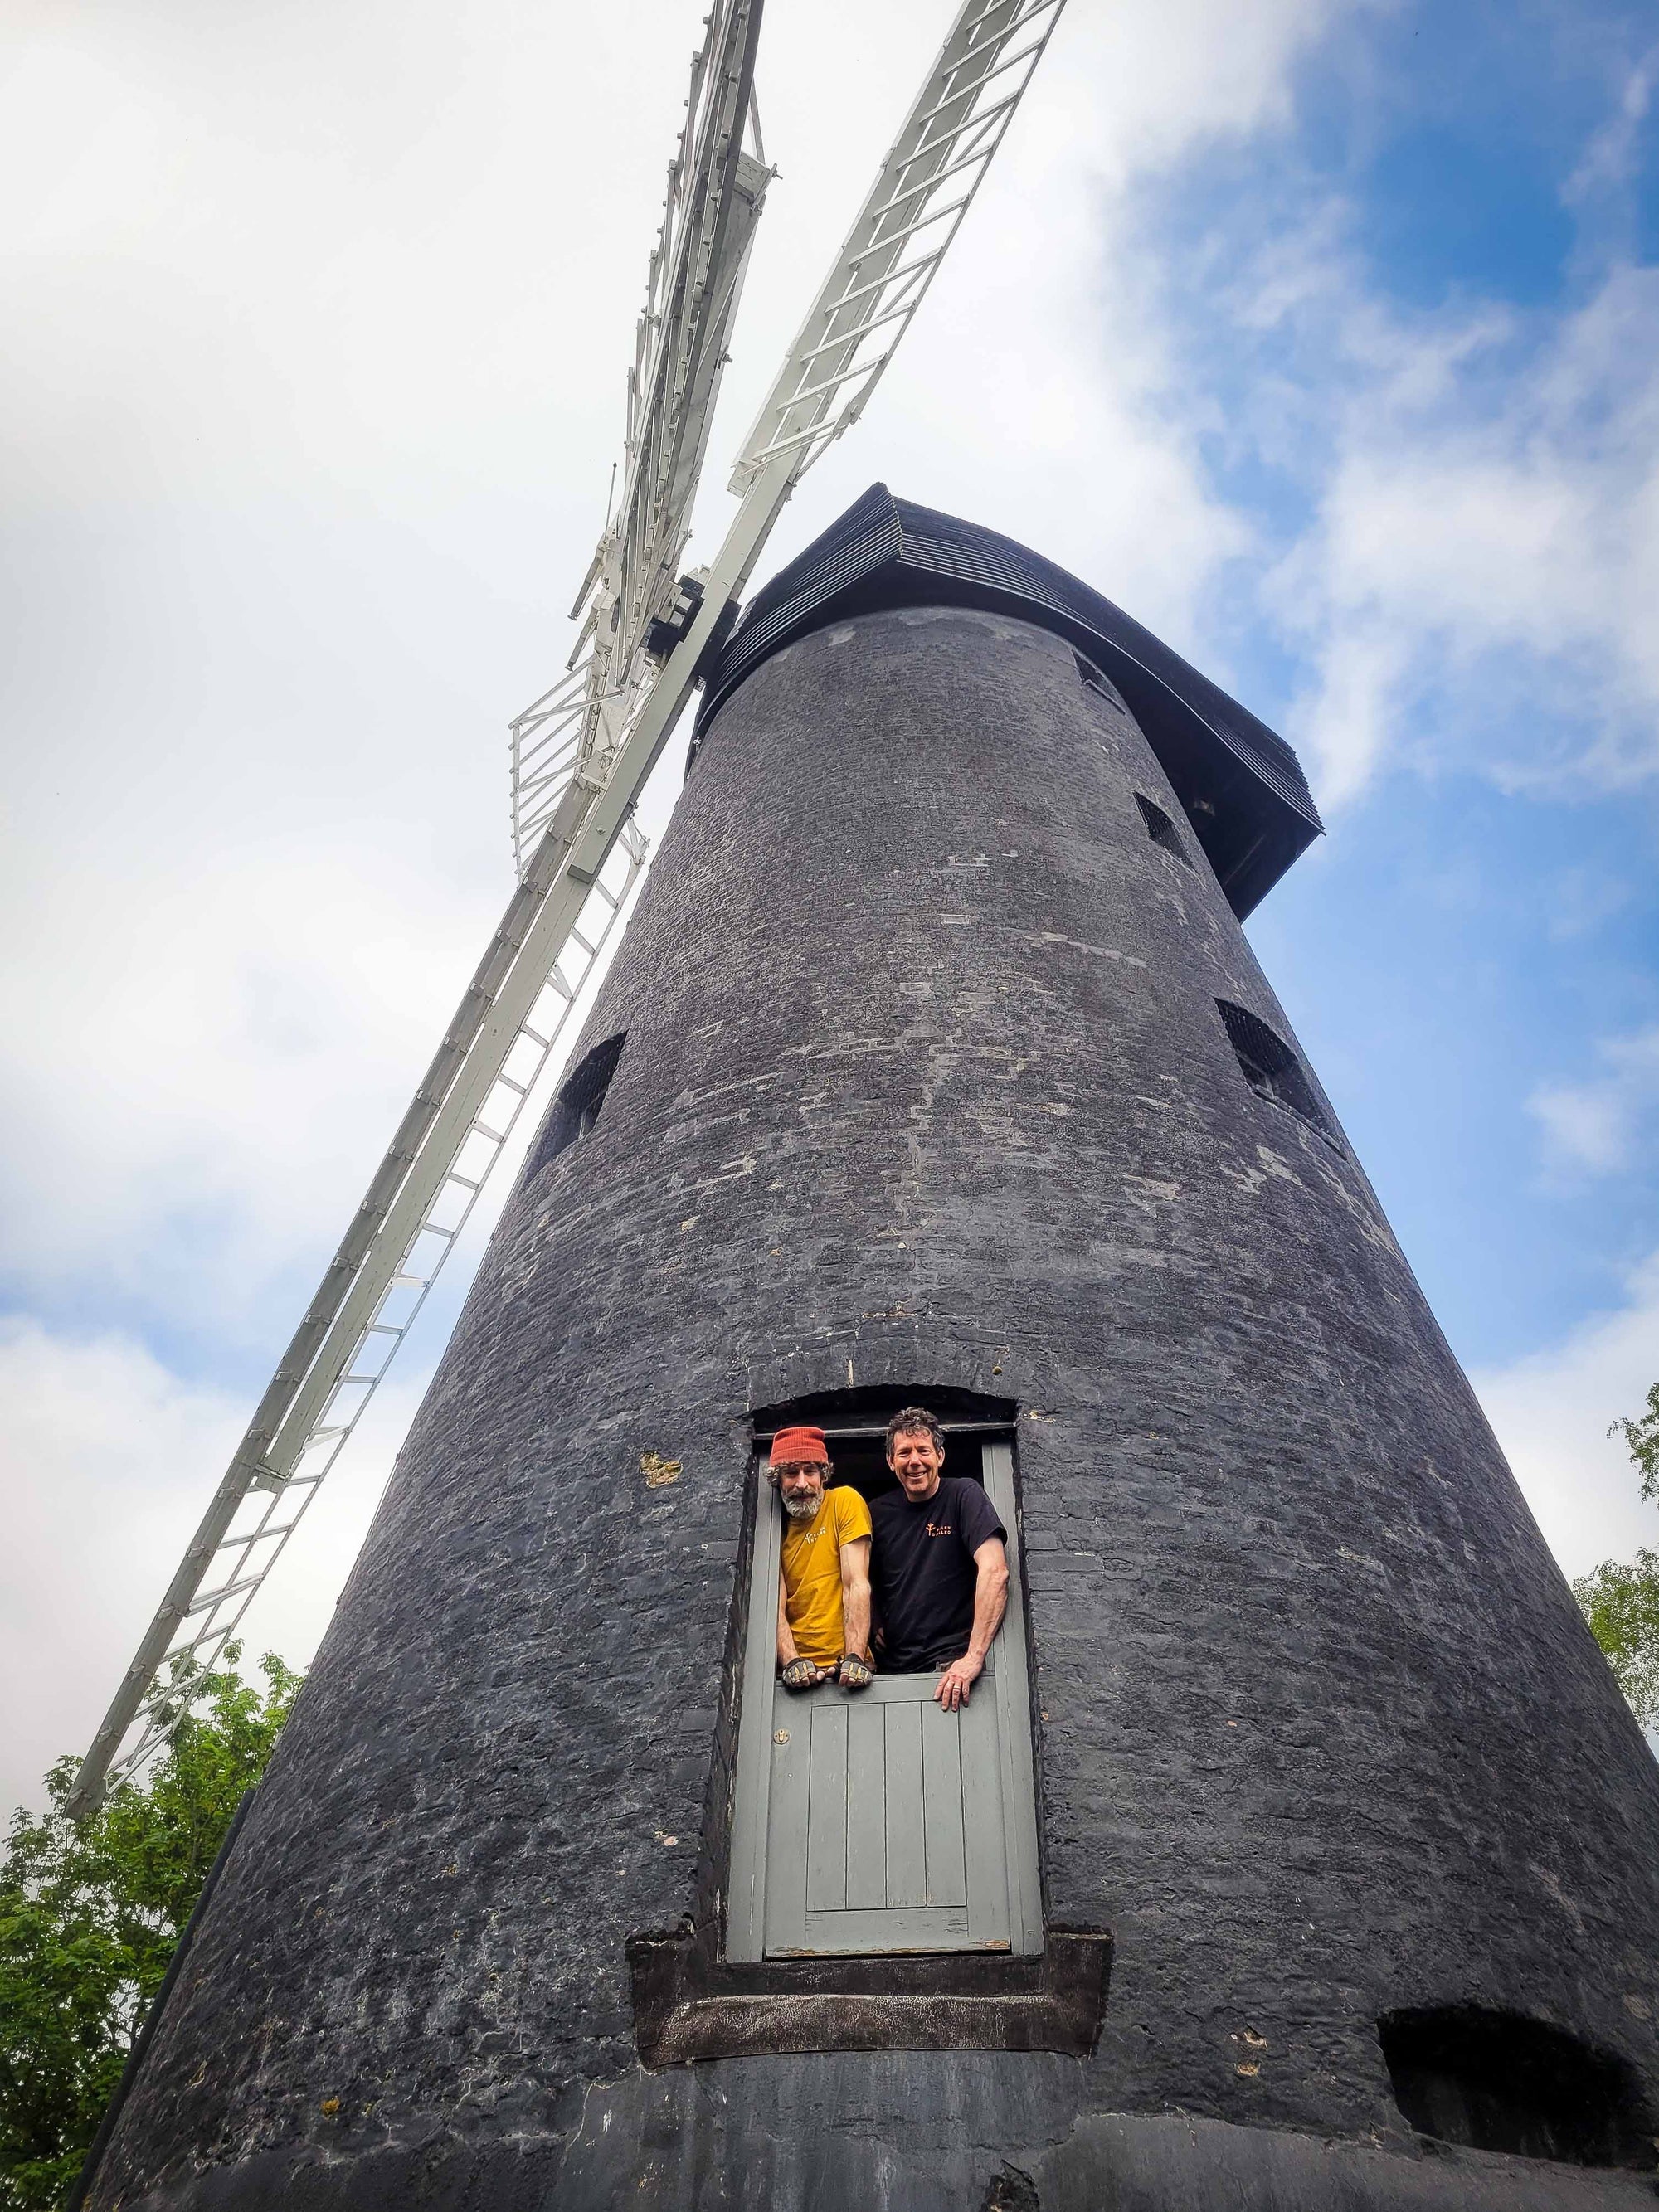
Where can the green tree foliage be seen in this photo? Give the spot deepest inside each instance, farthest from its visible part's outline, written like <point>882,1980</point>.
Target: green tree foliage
<point>1641,1439</point>
<point>90,1914</point>
<point>1621,1604</point>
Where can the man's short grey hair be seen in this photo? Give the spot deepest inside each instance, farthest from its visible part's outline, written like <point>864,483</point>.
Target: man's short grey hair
<point>914,1420</point>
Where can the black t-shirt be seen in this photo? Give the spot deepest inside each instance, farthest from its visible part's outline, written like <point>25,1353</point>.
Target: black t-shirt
<point>922,1572</point>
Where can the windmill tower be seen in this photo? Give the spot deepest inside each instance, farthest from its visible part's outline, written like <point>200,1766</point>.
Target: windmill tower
<point>1296,1850</point>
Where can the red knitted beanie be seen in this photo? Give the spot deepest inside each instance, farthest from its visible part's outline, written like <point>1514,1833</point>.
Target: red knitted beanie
<point>791,1447</point>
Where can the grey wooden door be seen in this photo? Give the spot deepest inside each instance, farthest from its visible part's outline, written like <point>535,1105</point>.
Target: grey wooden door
<point>886,1829</point>
<point>874,1820</point>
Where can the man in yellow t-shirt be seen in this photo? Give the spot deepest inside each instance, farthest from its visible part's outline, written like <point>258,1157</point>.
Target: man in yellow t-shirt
<point>823,1584</point>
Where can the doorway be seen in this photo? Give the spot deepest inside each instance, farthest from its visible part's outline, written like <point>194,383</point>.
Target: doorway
<point>873,1821</point>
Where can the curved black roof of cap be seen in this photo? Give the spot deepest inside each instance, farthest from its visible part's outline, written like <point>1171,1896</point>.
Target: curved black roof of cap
<point>1241,785</point>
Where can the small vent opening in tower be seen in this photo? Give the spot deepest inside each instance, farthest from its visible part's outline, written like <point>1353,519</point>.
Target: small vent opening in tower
<point>1496,2081</point>
<point>577,1107</point>
<point>1095,682</point>
<point>1162,830</point>
<point>1272,1069</point>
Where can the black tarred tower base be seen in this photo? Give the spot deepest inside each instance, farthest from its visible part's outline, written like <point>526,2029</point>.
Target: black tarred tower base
<point>935,1065</point>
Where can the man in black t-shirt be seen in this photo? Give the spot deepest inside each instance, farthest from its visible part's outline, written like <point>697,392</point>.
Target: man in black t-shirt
<point>938,1565</point>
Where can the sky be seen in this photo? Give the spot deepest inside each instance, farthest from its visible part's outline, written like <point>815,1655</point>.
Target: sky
<point>1322,335</point>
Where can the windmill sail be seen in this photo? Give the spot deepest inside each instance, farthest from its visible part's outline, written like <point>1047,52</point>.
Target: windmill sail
<point>715,193</point>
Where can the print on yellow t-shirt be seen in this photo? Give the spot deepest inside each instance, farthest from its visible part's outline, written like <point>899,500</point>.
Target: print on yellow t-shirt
<point>812,1573</point>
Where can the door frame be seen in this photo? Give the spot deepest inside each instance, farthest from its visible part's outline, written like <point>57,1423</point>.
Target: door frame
<point>1008,1679</point>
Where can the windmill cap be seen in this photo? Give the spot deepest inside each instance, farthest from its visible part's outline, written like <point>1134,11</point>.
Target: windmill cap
<point>1241,785</point>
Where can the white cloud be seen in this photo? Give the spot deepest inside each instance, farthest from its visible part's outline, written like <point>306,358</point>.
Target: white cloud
<point>1613,155</point>
<point>191,1102</point>
<point>1582,898</point>
<point>107,1463</point>
<point>1551,1411</point>
<point>1469,576</point>
<point>77,152</point>
<point>1586,1126</point>
<point>1594,1127</point>
<point>1487,526</point>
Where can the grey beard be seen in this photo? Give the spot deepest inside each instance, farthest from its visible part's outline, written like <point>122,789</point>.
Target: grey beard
<point>801,1509</point>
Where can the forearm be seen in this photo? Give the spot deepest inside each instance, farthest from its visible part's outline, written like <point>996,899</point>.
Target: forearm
<point>786,1650</point>
<point>990,1602</point>
<point>855,1616</point>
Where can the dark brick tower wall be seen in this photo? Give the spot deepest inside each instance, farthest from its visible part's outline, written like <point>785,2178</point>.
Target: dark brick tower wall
<point>925,1085</point>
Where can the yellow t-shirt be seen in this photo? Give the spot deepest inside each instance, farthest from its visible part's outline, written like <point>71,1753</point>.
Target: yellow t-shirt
<point>812,1573</point>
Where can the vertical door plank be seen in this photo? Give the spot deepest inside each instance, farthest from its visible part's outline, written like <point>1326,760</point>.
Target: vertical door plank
<point>866,1812</point>
<point>786,1852</point>
<point>1013,1697</point>
<point>981,1821</point>
<point>826,1814</point>
<point>906,1868</point>
<point>941,1806</point>
<point>745,1935</point>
